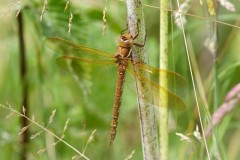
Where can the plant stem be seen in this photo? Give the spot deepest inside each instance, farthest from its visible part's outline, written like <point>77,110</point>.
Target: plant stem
<point>163,80</point>
<point>23,72</point>
<point>148,126</point>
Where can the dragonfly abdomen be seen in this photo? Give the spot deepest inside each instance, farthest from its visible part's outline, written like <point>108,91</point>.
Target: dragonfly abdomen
<point>117,100</point>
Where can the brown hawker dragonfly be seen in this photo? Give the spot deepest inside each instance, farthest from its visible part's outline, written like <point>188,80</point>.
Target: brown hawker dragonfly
<point>120,63</point>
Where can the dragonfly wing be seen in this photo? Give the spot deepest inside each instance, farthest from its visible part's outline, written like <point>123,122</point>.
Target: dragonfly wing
<point>92,77</point>
<point>87,63</point>
<point>88,69</point>
<point>160,93</point>
<point>150,76</point>
<point>174,79</point>
<point>66,47</point>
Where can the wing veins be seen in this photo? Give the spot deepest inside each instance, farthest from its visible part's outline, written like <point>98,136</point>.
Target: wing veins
<point>53,43</point>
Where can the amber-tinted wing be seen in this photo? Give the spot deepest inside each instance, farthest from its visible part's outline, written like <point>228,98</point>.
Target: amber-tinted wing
<point>150,76</point>
<point>67,48</point>
<point>88,63</point>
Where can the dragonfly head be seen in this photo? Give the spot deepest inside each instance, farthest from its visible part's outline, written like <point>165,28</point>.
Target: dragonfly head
<point>126,40</point>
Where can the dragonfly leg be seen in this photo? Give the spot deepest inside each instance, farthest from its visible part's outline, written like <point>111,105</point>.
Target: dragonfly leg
<point>139,44</point>
<point>123,31</point>
<point>134,37</point>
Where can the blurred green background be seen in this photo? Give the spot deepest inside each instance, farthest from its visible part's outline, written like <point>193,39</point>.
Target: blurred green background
<point>50,87</point>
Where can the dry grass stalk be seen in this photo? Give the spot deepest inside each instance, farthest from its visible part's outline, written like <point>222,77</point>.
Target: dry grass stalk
<point>104,21</point>
<point>130,155</point>
<point>43,9</point>
<point>191,137</point>
<point>179,16</point>
<point>70,22</point>
<point>60,139</point>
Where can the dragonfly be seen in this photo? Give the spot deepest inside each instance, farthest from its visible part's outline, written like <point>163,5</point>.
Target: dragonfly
<point>121,64</point>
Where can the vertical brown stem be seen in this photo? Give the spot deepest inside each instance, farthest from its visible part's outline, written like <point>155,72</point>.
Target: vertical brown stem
<point>23,71</point>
